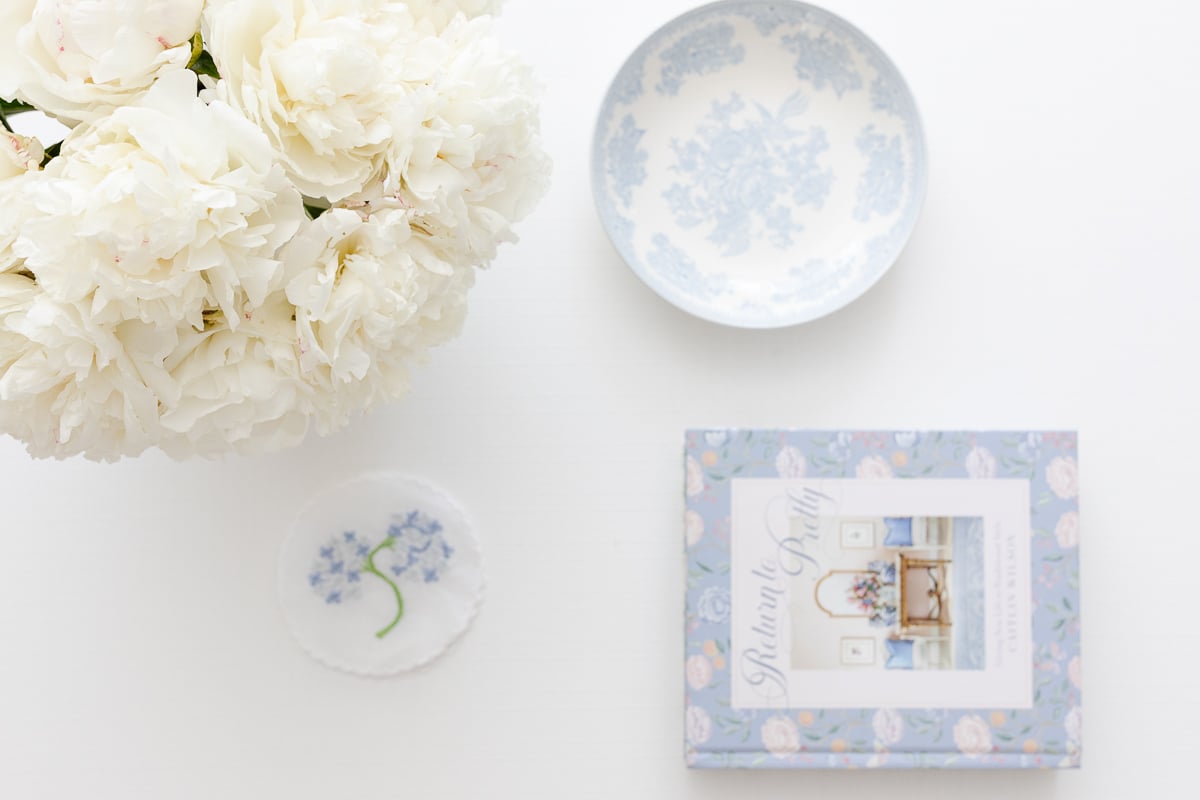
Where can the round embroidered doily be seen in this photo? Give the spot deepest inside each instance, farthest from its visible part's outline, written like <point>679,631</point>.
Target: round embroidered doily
<point>380,575</point>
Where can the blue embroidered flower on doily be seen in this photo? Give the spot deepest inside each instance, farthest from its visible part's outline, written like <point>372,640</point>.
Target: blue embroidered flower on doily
<point>414,548</point>
<point>336,573</point>
<point>420,551</point>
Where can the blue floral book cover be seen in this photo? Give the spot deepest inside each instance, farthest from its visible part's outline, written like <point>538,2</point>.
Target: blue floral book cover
<point>882,599</point>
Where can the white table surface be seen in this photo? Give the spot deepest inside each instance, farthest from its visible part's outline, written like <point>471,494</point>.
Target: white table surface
<point>1052,282</point>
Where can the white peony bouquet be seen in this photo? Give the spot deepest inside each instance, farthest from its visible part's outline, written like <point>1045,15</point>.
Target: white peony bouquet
<point>264,212</point>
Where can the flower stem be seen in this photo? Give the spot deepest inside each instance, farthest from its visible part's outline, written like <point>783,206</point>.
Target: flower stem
<point>387,543</point>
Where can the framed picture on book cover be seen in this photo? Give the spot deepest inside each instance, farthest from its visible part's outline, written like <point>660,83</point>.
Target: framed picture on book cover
<point>882,599</point>
<point>858,651</point>
<point>858,534</point>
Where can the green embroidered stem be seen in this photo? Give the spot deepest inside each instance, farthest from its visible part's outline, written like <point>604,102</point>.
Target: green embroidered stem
<point>371,568</point>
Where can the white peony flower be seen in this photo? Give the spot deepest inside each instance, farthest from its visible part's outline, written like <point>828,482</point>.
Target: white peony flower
<point>980,463</point>
<point>780,736</point>
<point>78,59</point>
<point>873,467</point>
<point>69,386</point>
<point>135,302</point>
<point>160,283</point>
<point>331,83</point>
<point>439,13</point>
<point>238,389</point>
<point>475,166</point>
<point>19,155</point>
<point>162,211</point>
<point>370,296</point>
<point>66,386</point>
<point>12,216</point>
<point>790,463</point>
<point>1063,476</point>
<point>972,736</point>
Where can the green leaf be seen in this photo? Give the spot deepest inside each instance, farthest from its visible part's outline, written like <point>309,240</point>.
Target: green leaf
<point>314,211</point>
<point>202,62</point>
<point>51,152</point>
<point>9,108</point>
<point>15,107</point>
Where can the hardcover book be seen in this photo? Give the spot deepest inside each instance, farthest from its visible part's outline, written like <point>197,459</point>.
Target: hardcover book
<point>882,599</point>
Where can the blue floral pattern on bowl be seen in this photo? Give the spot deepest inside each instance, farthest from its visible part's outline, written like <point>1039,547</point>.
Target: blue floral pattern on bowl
<point>704,50</point>
<point>771,148</point>
<point>741,181</point>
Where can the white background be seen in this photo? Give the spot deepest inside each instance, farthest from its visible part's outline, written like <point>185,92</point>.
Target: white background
<point>1052,282</point>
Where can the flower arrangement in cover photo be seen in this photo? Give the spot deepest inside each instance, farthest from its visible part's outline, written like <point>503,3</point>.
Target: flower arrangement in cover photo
<point>262,214</point>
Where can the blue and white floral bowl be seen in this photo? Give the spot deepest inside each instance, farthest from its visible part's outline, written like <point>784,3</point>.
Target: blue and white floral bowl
<point>759,164</point>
